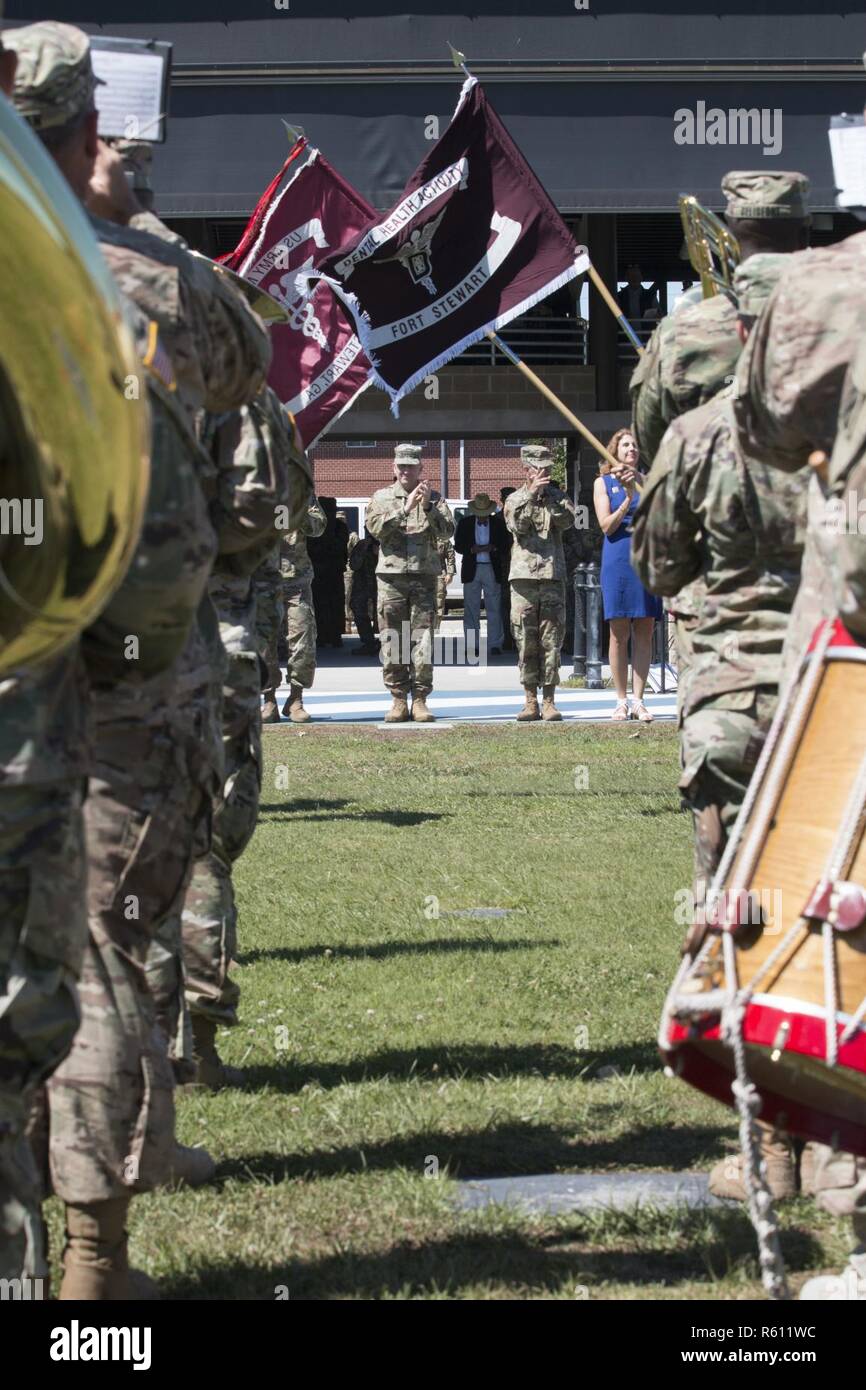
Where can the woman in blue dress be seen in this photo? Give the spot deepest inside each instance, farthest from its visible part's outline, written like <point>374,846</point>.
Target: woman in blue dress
<point>629,608</point>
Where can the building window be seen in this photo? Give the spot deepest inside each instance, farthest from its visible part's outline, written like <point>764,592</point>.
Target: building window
<point>362,443</point>
<point>512,443</point>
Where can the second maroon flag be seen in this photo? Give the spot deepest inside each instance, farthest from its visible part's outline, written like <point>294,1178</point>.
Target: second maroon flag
<point>473,242</point>
<point>318,367</point>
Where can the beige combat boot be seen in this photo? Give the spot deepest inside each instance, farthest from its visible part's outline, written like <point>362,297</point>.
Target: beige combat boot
<point>95,1266</point>
<point>530,705</point>
<point>399,711</point>
<point>270,713</point>
<point>420,713</point>
<point>548,708</point>
<point>190,1167</point>
<point>727,1180</point>
<point>210,1070</point>
<point>294,707</point>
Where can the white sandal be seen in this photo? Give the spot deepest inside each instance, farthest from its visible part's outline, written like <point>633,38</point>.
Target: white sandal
<point>641,713</point>
<point>621,713</point>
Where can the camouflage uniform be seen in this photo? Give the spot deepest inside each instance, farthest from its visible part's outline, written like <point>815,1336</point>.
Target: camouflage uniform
<point>267,585</point>
<point>44,755</point>
<point>157,766</point>
<point>449,569</point>
<point>406,575</point>
<point>800,379</point>
<point>703,516</point>
<point>537,576</point>
<point>691,356</point>
<point>108,1126</point>
<point>253,452</point>
<point>296,569</point>
<point>43,924</point>
<point>347,577</point>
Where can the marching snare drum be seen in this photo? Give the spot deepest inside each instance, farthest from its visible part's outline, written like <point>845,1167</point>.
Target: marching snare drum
<point>788,945</point>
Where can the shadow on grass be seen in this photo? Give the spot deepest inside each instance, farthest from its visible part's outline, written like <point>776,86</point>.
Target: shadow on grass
<point>434,1063</point>
<point>706,1246</point>
<point>502,1151</point>
<point>274,811</point>
<point>384,950</point>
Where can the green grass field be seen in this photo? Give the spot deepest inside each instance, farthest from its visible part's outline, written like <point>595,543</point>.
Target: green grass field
<point>392,1042</point>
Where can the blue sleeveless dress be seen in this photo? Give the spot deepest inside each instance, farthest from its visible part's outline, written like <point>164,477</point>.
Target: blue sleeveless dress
<point>622,594</point>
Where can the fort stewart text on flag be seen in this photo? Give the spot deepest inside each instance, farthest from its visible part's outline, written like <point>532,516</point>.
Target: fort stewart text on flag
<point>473,242</point>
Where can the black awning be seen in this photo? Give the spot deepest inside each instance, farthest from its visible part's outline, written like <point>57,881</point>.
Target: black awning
<point>596,146</point>
<point>225,32</point>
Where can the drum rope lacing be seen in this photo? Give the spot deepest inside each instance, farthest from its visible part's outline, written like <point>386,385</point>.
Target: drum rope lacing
<point>760,1199</point>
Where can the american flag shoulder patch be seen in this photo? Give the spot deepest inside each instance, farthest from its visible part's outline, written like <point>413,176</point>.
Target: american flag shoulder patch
<point>157,360</point>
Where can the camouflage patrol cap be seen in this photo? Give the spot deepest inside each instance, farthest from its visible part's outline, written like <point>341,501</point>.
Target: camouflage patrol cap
<point>407,453</point>
<point>536,456</point>
<point>759,193</point>
<point>54,80</point>
<point>755,280</point>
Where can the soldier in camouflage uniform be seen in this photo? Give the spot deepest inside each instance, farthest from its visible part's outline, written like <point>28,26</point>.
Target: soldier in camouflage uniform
<point>536,515</point>
<point>693,352</point>
<point>702,515</point>
<point>800,379</point>
<point>44,761</point>
<point>296,571</point>
<point>409,521</point>
<point>270,621</point>
<point>449,569</point>
<point>153,740</point>
<point>351,542</point>
<point>254,450</point>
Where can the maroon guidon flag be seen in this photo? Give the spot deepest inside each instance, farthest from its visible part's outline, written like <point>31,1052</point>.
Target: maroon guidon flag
<point>473,242</point>
<point>318,367</point>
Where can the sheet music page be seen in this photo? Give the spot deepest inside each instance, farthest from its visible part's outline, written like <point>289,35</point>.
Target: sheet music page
<point>129,103</point>
<point>848,149</point>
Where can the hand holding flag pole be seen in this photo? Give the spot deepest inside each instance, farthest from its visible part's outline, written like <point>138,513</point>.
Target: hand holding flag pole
<point>551,396</point>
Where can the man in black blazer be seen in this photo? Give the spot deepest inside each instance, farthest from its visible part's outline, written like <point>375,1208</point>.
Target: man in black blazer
<point>481,539</point>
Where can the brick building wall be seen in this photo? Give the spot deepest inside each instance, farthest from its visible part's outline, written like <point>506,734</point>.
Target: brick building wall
<point>350,469</point>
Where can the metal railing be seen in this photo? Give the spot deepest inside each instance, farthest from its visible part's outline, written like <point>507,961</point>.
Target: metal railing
<point>626,352</point>
<point>538,340</point>
<point>587,660</point>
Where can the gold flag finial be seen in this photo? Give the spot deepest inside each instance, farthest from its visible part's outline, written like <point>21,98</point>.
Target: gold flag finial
<point>457,58</point>
<point>294,132</point>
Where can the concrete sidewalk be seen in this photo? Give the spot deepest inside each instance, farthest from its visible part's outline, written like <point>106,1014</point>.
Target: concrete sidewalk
<point>348,689</point>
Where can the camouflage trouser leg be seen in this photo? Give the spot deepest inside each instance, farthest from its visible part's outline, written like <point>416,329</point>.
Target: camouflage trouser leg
<point>111,1105</point>
<point>720,743</point>
<point>406,609</point>
<point>538,624</point>
<point>209,914</point>
<point>301,632</point>
<point>270,618</point>
<point>681,659</point>
<point>42,931</point>
<point>347,590</point>
<point>441,595</point>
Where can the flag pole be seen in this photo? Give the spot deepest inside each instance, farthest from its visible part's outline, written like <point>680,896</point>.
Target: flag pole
<point>615,309</point>
<point>459,61</point>
<point>552,397</point>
